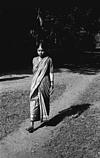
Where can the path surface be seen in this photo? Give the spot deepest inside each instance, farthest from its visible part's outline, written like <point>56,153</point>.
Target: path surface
<point>21,144</point>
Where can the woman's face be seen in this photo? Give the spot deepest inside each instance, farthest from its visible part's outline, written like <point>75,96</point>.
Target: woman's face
<point>40,52</point>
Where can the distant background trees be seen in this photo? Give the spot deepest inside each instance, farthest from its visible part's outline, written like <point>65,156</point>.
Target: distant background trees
<point>57,25</point>
<point>66,32</point>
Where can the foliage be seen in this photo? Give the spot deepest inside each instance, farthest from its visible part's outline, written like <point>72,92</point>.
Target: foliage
<point>60,25</point>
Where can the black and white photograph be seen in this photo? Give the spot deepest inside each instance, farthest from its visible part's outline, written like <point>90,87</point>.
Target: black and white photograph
<point>49,81</point>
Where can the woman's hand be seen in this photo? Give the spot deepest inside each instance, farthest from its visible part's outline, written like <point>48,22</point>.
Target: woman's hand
<point>51,82</point>
<point>51,88</point>
<point>35,69</point>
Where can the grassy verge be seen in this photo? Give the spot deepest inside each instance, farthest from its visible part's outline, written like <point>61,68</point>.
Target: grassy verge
<point>78,137</point>
<point>14,108</point>
<point>92,93</point>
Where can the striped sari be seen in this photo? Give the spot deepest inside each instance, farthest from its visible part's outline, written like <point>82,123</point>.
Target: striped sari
<point>40,90</point>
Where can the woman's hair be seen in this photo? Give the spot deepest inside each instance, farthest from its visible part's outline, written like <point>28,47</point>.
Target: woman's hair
<point>41,45</point>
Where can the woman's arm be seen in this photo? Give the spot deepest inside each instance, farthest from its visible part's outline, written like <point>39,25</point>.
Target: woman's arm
<point>35,65</point>
<point>52,78</point>
<point>51,75</point>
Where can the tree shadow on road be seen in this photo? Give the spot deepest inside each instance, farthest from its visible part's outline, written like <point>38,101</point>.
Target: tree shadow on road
<point>86,69</point>
<point>74,111</point>
<point>83,69</point>
<point>12,78</point>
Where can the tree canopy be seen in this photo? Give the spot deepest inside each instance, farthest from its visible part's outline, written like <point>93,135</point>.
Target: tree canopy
<point>73,24</point>
<point>63,30</point>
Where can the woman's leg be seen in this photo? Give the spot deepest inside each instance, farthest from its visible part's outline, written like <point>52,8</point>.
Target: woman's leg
<point>31,128</point>
<point>32,105</point>
<point>32,124</point>
<point>44,98</point>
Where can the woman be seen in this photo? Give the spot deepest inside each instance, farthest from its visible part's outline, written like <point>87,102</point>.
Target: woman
<point>41,88</point>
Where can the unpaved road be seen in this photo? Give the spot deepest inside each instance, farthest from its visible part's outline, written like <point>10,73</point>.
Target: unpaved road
<point>21,144</point>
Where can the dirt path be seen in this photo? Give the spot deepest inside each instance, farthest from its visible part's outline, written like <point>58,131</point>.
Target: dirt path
<point>21,144</point>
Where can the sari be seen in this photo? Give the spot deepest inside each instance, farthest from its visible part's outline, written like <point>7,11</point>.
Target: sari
<point>40,90</point>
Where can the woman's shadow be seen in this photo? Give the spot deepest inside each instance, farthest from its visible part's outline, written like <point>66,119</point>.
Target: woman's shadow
<point>74,111</point>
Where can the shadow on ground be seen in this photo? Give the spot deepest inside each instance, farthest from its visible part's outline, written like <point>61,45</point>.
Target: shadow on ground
<point>86,69</point>
<point>12,78</point>
<point>74,111</point>
<point>83,63</point>
<point>83,69</point>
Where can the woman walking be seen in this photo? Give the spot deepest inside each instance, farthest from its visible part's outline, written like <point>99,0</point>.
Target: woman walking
<point>41,88</point>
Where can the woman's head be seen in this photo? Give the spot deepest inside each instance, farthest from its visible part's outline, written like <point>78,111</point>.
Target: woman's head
<point>40,50</point>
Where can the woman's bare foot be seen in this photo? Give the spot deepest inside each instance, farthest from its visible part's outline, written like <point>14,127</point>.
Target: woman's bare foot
<point>30,129</point>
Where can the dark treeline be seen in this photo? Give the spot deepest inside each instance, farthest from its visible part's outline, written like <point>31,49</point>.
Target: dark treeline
<point>67,33</point>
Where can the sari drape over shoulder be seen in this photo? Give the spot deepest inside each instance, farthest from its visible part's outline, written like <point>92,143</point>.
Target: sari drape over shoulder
<point>40,90</point>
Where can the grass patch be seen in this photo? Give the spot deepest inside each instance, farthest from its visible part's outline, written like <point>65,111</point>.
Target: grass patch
<point>14,108</point>
<point>92,93</point>
<point>76,138</point>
